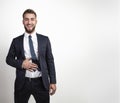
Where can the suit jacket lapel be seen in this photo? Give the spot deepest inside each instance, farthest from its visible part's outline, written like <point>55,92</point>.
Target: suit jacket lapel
<point>39,43</point>
<point>21,45</point>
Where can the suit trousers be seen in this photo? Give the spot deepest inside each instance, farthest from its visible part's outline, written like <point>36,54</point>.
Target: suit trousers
<point>35,87</point>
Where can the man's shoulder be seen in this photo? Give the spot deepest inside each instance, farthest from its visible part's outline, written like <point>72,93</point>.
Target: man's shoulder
<point>20,36</point>
<point>41,35</point>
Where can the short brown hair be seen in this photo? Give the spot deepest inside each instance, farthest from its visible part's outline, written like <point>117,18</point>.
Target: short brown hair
<point>29,11</point>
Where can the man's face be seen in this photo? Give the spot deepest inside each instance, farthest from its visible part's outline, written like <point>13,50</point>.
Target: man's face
<point>29,22</point>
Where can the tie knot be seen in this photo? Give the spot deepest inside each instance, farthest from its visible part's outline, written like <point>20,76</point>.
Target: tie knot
<point>30,36</point>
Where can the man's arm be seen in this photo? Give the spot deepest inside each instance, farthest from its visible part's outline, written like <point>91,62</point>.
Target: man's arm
<point>51,69</point>
<point>11,57</point>
<point>13,61</point>
<point>50,63</point>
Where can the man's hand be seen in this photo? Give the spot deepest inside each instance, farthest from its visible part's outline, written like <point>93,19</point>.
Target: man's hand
<point>28,65</point>
<point>52,89</point>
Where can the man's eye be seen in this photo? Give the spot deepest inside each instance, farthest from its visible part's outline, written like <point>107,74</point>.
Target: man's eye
<point>32,19</point>
<point>26,19</point>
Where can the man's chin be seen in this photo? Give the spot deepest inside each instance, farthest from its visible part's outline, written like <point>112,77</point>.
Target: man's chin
<point>30,31</point>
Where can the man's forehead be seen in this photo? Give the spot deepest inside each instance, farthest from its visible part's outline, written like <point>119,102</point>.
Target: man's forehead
<point>29,15</point>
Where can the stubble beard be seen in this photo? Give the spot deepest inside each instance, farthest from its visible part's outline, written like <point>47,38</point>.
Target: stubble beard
<point>30,31</point>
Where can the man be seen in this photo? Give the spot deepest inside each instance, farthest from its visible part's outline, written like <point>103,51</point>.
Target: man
<point>32,57</point>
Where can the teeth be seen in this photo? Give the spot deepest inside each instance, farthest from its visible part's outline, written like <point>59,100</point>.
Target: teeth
<point>29,26</point>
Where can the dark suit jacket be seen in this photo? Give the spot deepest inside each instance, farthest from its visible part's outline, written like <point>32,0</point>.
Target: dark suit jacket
<point>16,56</point>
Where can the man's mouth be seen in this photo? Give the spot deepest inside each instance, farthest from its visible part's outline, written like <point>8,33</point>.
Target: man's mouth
<point>29,26</point>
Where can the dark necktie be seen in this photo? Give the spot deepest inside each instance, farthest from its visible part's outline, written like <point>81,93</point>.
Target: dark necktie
<point>32,51</point>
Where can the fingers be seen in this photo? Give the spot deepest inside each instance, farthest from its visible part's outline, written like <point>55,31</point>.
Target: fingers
<point>27,64</point>
<point>52,89</point>
<point>32,65</point>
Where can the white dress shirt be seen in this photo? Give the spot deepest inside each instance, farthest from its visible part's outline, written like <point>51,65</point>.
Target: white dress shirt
<point>31,74</point>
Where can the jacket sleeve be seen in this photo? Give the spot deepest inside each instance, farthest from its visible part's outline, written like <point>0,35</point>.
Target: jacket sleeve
<point>50,63</point>
<point>11,58</point>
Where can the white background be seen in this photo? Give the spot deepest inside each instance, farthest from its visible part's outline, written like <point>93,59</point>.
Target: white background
<point>86,45</point>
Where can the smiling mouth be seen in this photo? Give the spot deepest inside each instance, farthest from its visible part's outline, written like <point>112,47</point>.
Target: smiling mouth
<point>29,25</point>
<point>29,28</point>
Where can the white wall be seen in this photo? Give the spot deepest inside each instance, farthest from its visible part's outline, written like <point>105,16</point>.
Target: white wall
<point>85,40</point>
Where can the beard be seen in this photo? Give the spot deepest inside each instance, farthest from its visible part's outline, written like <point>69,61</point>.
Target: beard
<point>29,31</point>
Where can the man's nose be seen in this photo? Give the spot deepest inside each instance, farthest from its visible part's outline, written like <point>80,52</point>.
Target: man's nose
<point>29,21</point>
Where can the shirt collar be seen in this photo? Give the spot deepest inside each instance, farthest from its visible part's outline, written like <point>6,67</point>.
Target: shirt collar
<point>27,34</point>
